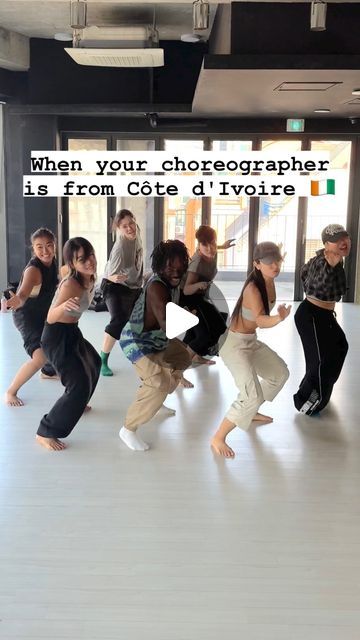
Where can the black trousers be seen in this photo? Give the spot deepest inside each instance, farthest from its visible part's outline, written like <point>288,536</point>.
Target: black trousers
<point>78,365</point>
<point>212,324</point>
<point>325,348</point>
<point>30,324</point>
<point>119,301</point>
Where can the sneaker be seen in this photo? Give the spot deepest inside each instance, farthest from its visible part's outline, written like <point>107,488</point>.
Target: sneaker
<point>310,405</point>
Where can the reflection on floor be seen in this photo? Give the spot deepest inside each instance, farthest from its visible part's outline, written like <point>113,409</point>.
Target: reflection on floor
<point>100,543</point>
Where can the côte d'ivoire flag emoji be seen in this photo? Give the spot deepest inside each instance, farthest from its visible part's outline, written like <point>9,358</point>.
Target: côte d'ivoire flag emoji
<point>323,187</point>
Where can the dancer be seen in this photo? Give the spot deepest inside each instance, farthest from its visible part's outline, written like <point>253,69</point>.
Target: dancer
<point>72,356</point>
<point>324,342</point>
<point>245,356</point>
<point>200,274</point>
<point>30,305</point>
<point>158,361</point>
<point>123,278</point>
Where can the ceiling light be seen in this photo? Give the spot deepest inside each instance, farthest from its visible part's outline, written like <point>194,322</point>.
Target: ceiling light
<point>322,110</point>
<point>318,16</point>
<point>356,92</point>
<point>78,14</point>
<point>63,37</point>
<point>201,15</point>
<point>190,37</point>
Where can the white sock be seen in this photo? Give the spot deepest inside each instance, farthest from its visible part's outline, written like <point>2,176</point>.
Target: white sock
<point>132,440</point>
<point>167,410</point>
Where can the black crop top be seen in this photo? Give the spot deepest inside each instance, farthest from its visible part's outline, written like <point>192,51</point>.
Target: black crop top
<point>322,281</point>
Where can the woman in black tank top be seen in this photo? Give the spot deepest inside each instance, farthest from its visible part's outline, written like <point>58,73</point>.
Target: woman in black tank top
<point>30,305</point>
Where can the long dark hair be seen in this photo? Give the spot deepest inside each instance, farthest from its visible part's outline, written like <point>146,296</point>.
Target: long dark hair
<point>258,279</point>
<point>71,247</point>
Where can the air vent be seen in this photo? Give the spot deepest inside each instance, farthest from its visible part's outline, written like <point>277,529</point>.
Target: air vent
<point>306,86</point>
<point>118,57</point>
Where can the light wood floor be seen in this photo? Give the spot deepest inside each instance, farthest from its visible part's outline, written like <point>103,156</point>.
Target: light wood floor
<point>99,543</point>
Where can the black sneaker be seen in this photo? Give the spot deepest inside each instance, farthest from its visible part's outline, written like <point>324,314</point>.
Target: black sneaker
<point>310,405</point>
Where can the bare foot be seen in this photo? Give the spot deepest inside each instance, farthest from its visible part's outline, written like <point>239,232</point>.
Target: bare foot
<point>184,382</point>
<point>196,359</point>
<point>12,400</point>
<point>259,417</point>
<point>166,411</point>
<point>44,376</point>
<point>221,448</point>
<point>51,443</point>
<point>87,408</point>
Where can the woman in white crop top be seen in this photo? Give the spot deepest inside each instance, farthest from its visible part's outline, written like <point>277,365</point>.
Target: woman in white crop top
<point>73,357</point>
<point>246,357</point>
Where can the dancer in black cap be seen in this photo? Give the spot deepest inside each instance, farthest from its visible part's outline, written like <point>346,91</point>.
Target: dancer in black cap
<point>324,342</point>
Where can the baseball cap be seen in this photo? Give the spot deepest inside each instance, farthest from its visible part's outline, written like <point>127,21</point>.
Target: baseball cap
<point>333,233</point>
<point>267,252</point>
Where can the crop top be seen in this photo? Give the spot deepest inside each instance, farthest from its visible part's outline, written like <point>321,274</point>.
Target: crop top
<point>247,314</point>
<point>322,281</point>
<point>84,302</point>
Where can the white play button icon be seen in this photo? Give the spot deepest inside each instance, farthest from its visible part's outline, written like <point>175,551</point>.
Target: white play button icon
<point>178,320</point>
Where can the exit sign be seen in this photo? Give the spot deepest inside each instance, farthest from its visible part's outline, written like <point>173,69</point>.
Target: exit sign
<point>295,125</point>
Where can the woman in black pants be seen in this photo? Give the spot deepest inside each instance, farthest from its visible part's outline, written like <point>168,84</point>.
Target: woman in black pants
<point>195,296</point>
<point>75,359</point>
<point>30,305</point>
<point>324,342</point>
<point>122,281</point>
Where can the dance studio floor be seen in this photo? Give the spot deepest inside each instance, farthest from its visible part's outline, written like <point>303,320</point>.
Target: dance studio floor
<point>100,543</point>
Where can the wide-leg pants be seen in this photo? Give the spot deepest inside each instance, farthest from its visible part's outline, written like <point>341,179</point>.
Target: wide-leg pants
<point>30,323</point>
<point>159,373</point>
<point>248,359</point>
<point>78,365</point>
<point>120,301</point>
<point>212,324</point>
<point>325,348</point>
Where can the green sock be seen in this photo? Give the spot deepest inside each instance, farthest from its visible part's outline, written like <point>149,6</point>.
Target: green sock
<point>105,370</point>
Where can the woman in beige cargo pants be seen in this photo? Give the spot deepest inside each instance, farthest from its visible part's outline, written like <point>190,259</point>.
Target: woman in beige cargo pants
<point>246,357</point>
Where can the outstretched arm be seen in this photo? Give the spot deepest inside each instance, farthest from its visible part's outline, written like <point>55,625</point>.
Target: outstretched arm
<point>227,244</point>
<point>31,278</point>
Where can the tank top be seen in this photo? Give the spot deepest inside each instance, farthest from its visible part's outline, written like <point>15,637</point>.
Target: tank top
<point>134,341</point>
<point>247,314</point>
<point>84,301</point>
<point>41,295</point>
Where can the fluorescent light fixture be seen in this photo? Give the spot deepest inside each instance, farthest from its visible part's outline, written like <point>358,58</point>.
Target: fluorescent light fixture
<point>318,16</point>
<point>322,110</point>
<point>356,92</point>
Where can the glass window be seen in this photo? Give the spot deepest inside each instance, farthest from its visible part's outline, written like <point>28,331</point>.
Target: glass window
<point>182,215</point>
<point>323,210</point>
<point>278,222</point>
<point>142,207</point>
<point>88,216</point>
<point>230,217</point>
